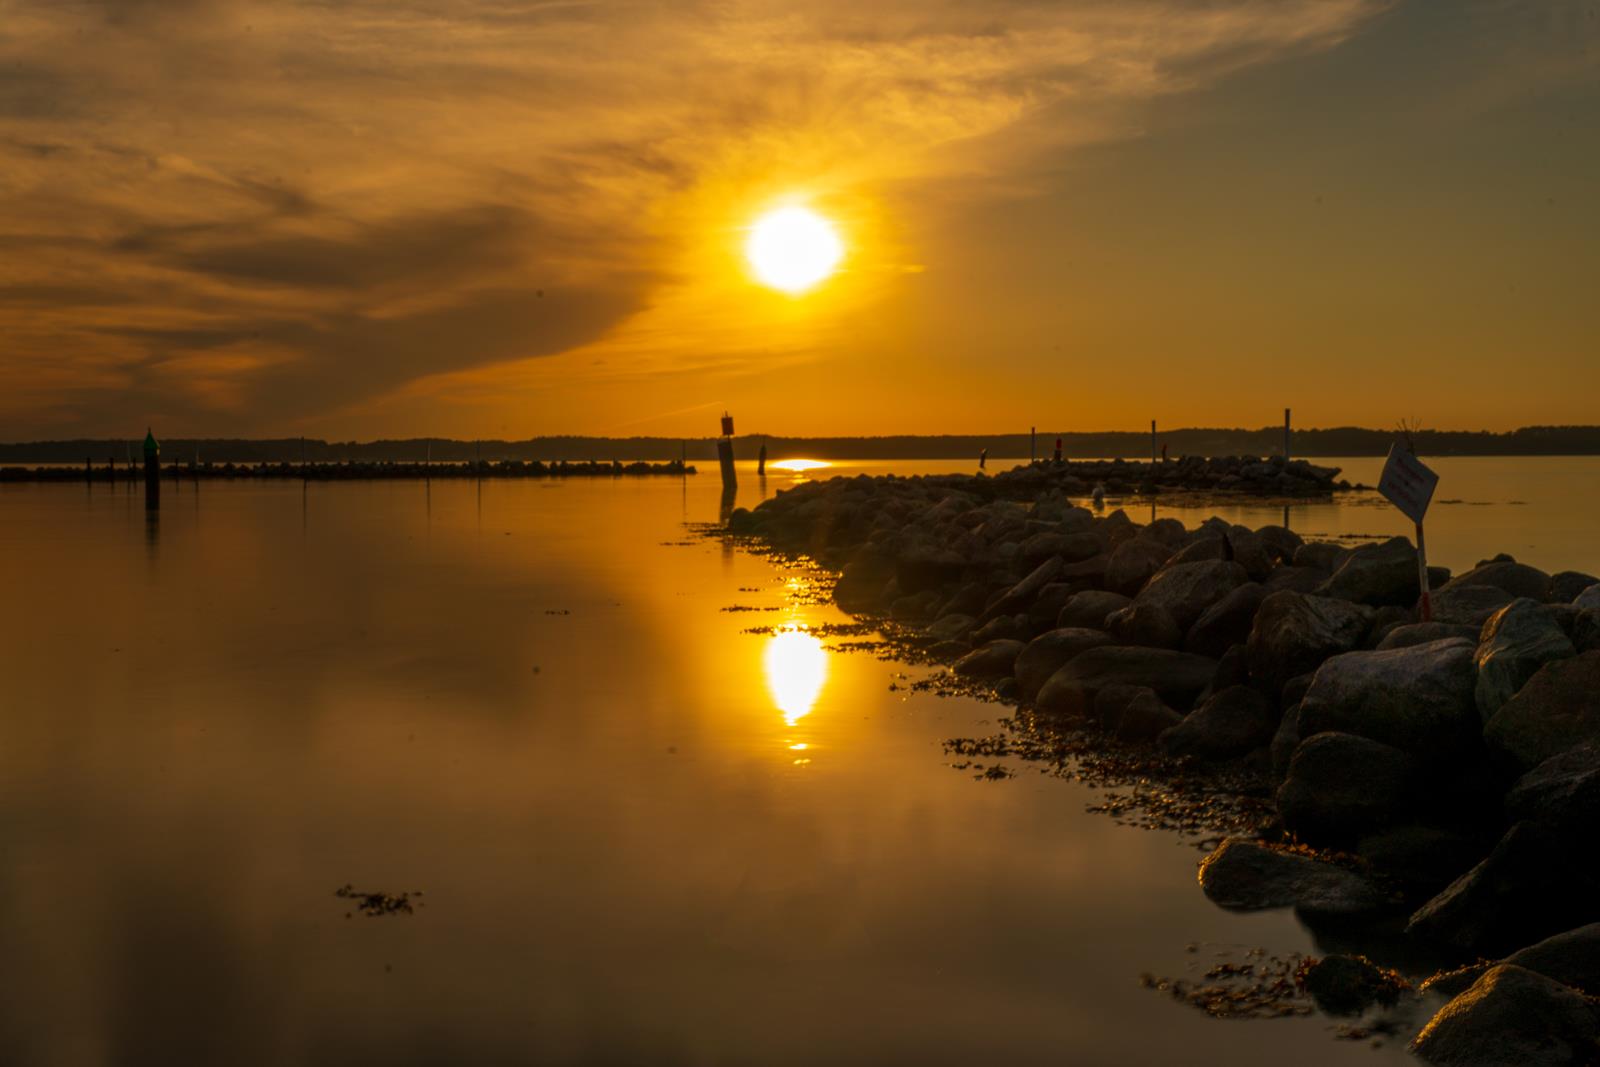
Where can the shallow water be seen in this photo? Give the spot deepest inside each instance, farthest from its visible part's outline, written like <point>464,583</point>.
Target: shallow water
<point>642,834</point>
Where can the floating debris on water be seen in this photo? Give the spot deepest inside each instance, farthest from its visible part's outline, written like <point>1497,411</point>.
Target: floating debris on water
<point>375,904</point>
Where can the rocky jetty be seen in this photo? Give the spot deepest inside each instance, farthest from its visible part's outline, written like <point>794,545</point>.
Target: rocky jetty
<point>1208,474</point>
<point>342,472</point>
<point>1439,775</point>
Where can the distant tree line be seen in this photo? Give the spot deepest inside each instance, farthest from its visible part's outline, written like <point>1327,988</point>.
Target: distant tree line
<point>1336,441</point>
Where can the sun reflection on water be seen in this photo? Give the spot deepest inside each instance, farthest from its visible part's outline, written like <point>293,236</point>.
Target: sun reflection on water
<point>798,466</point>
<point>796,667</point>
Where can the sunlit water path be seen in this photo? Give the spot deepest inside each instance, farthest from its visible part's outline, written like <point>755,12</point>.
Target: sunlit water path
<point>642,834</point>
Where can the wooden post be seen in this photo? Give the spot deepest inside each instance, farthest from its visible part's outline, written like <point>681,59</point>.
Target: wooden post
<point>1033,443</point>
<point>725,453</point>
<point>761,462</point>
<point>1286,435</point>
<point>1152,443</point>
<point>1422,577</point>
<point>152,472</point>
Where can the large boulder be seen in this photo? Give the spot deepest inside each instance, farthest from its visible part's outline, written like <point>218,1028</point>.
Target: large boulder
<point>1227,622</point>
<point>1589,599</point>
<point>1186,590</point>
<point>923,565</point>
<point>1049,652</point>
<point>1563,791</point>
<point>1230,724</point>
<point>1341,786</point>
<point>1516,641</point>
<point>1177,676</point>
<point>862,583</point>
<point>1299,579</point>
<point>1375,574</point>
<point>1071,547</point>
<point>1512,1017</point>
<point>1571,958</point>
<point>1556,710</point>
<point>1536,882</point>
<point>1320,555</point>
<point>1133,562</point>
<point>1468,605</point>
<point>1280,542</point>
<point>1518,579</point>
<point>1133,713</point>
<point>1293,633</point>
<point>1418,858</point>
<point>1417,699</point>
<point>1090,608</point>
<point>1144,624</point>
<point>1246,875</point>
<point>995,659</point>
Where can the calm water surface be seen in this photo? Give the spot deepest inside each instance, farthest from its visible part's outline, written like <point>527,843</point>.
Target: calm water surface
<point>643,834</point>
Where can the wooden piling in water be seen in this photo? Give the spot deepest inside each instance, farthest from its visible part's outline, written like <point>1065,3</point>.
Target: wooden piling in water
<point>152,471</point>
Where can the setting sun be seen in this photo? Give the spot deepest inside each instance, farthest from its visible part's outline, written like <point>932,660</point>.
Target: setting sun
<point>793,249</point>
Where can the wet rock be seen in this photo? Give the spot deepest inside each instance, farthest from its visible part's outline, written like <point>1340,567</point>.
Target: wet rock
<point>1556,710</point>
<point>1209,546</point>
<point>970,599</point>
<point>1281,543</point>
<point>1021,596</point>
<point>1349,985</point>
<point>1046,607</point>
<point>1420,859</point>
<point>1186,590</point>
<point>1150,625</point>
<point>1049,652</point>
<point>948,651</point>
<point>994,660</point>
<point>1563,791</point>
<point>1071,547</point>
<point>1517,579</point>
<point>1536,882</point>
<point>1248,876</point>
<point>1516,641</point>
<point>1133,562</point>
<point>1089,609</point>
<point>1341,786</point>
<point>1177,676</point>
<point>922,565</point>
<point>1468,605</point>
<point>1377,574</point>
<point>1284,741</point>
<point>1421,633</point>
<point>1169,532</point>
<point>1589,599</point>
<point>950,627</point>
<point>1298,579</point>
<point>1227,622</point>
<point>915,608</point>
<point>1004,628</point>
<point>1571,958</point>
<point>1566,585</point>
<point>861,584</point>
<point>1320,555</point>
<point>1233,668</point>
<point>1417,699</point>
<point>1231,724</point>
<point>1512,1017</point>
<point>1293,633</point>
<point>1139,720</point>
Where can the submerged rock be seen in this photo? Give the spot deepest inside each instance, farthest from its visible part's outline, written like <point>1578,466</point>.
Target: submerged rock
<point>1248,876</point>
<point>1512,1017</point>
<point>1349,985</point>
<point>1517,640</point>
<point>1554,711</point>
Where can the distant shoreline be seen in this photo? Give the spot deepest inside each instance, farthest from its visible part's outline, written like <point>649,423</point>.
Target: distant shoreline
<point>1307,443</point>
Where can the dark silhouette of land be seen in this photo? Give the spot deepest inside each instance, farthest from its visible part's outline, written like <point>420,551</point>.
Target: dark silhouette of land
<point>1337,441</point>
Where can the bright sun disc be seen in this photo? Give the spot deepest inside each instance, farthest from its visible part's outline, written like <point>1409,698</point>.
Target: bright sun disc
<point>793,249</point>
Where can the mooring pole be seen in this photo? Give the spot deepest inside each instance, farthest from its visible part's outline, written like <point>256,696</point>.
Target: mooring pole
<point>1152,442</point>
<point>152,471</point>
<point>761,462</point>
<point>1286,435</point>
<point>1033,443</point>
<point>725,452</point>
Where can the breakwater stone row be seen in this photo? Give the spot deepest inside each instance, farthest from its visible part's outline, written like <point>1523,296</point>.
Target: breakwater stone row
<point>1442,777</point>
<point>352,471</point>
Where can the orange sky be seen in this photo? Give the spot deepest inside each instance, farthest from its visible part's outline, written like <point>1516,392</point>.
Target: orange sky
<point>473,217</point>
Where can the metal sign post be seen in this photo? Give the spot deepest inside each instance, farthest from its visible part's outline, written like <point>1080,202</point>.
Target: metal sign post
<point>1408,485</point>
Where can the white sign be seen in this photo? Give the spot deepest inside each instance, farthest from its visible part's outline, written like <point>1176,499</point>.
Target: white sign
<point>1406,483</point>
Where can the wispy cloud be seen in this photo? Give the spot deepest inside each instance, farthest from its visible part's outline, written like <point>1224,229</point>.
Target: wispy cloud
<point>236,213</point>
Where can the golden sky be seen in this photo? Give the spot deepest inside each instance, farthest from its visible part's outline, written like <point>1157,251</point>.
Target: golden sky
<point>485,218</point>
